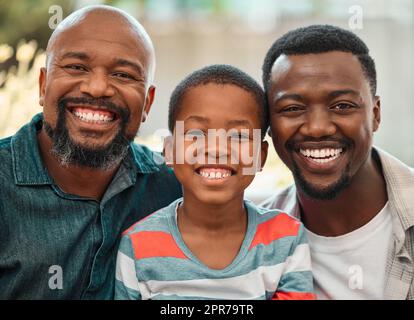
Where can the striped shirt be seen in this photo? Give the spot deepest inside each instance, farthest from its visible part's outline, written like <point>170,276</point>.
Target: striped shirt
<point>273,262</point>
<point>399,178</point>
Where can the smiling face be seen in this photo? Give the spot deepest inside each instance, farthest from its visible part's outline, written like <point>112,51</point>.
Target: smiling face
<point>322,119</point>
<point>217,140</point>
<point>96,88</point>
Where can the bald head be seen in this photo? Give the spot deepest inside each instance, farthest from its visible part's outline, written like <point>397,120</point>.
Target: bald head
<point>106,23</point>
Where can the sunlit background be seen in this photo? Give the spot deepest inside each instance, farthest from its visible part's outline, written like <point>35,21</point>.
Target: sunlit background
<point>191,34</point>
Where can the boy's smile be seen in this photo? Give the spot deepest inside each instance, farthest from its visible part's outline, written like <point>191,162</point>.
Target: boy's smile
<point>215,172</point>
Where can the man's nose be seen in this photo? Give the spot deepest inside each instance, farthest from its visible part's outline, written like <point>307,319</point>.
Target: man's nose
<point>318,123</point>
<point>97,85</point>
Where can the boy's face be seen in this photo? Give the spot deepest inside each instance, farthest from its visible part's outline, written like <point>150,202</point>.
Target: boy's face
<point>217,130</point>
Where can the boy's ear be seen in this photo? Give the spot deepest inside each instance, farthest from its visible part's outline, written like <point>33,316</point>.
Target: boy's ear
<point>168,151</point>
<point>263,154</point>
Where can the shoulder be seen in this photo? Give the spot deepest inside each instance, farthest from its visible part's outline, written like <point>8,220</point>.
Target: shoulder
<point>5,145</point>
<point>6,166</point>
<point>148,161</point>
<point>157,221</point>
<point>153,236</point>
<point>274,224</point>
<point>284,200</point>
<point>393,166</point>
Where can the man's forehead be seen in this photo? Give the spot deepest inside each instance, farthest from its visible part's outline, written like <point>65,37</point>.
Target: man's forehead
<point>99,28</point>
<point>333,65</point>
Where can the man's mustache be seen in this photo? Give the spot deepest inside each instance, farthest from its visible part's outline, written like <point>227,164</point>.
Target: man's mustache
<point>293,145</point>
<point>122,112</point>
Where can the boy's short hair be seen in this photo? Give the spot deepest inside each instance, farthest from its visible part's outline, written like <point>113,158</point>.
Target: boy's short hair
<point>221,74</point>
<point>320,39</point>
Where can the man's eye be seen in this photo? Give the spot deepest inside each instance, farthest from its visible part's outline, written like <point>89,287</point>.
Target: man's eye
<point>343,106</point>
<point>75,67</point>
<point>292,108</point>
<point>123,75</point>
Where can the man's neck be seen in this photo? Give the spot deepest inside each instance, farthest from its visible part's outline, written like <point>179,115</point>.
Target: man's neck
<point>355,206</point>
<point>80,181</point>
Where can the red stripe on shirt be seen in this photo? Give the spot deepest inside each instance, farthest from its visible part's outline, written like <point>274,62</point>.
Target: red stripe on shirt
<point>151,244</point>
<point>278,227</point>
<point>293,296</point>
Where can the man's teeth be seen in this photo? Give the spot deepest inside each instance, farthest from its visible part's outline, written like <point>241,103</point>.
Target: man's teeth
<point>93,116</point>
<point>215,173</point>
<point>321,155</point>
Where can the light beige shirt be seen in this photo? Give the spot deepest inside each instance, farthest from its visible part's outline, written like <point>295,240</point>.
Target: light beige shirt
<point>399,179</point>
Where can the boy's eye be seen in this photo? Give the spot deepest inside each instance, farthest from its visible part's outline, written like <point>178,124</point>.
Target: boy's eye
<point>194,133</point>
<point>240,137</point>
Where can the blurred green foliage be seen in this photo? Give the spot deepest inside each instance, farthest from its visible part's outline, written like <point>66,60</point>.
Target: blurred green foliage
<point>28,20</point>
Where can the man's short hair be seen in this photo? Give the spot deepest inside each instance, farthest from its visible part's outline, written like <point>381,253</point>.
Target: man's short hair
<point>320,39</point>
<point>221,74</point>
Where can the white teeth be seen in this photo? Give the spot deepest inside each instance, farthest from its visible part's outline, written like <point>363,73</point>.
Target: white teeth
<point>92,117</point>
<point>214,174</point>
<point>321,155</point>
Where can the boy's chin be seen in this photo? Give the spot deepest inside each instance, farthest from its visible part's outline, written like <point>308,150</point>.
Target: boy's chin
<point>215,198</point>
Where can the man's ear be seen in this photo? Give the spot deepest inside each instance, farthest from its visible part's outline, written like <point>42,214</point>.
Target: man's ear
<point>377,113</point>
<point>148,103</point>
<point>269,132</point>
<point>42,86</point>
<point>168,151</point>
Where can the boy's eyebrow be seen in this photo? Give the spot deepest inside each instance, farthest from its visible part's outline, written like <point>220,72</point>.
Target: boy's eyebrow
<point>240,122</point>
<point>197,118</point>
<point>231,122</point>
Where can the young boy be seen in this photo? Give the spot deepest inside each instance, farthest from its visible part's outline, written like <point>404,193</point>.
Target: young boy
<point>213,244</point>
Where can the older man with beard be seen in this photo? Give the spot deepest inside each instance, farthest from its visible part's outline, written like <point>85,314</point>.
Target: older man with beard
<point>72,179</point>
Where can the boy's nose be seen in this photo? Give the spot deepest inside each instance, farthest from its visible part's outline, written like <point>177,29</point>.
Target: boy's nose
<point>217,146</point>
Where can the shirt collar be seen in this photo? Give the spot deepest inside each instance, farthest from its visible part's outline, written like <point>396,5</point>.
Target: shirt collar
<point>29,169</point>
<point>399,179</point>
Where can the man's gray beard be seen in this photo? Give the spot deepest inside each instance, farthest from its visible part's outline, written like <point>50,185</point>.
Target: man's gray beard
<point>326,193</point>
<point>68,152</point>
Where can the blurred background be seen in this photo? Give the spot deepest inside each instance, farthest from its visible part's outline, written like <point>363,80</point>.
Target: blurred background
<point>191,34</point>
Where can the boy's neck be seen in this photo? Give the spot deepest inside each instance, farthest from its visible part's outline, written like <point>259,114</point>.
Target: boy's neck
<point>196,215</point>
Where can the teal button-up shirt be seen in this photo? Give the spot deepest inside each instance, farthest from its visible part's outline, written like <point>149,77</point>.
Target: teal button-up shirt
<point>55,245</point>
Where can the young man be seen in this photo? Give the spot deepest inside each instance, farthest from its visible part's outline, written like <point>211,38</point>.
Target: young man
<point>212,244</point>
<point>72,179</point>
<point>355,200</point>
